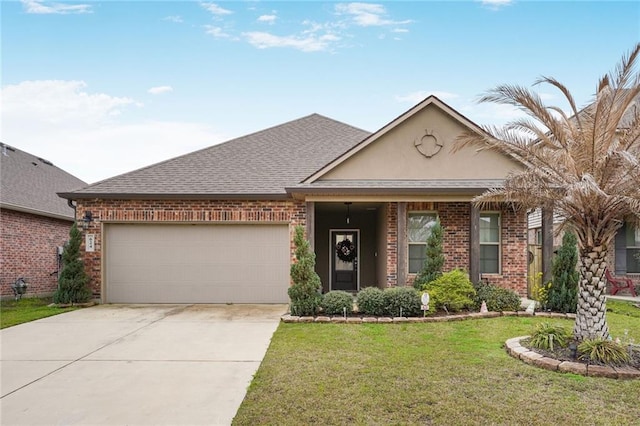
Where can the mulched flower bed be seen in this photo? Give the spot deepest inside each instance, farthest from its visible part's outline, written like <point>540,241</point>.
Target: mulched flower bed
<point>564,354</point>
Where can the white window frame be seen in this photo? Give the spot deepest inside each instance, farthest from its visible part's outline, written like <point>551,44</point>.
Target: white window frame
<point>499,243</point>
<point>636,230</point>
<point>416,243</point>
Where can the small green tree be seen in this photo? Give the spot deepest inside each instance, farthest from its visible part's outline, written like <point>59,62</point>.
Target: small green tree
<point>73,281</point>
<point>434,260</point>
<point>563,294</point>
<point>305,291</point>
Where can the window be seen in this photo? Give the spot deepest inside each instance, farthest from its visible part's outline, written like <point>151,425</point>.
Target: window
<point>632,239</point>
<point>489,243</point>
<point>418,229</point>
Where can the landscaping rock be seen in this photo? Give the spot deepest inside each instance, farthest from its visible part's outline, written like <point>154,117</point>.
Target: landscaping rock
<point>547,363</point>
<point>306,319</point>
<point>385,319</point>
<point>322,319</point>
<point>400,319</point>
<point>573,367</point>
<point>627,372</point>
<point>354,320</point>
<point>601,371</point>
<point>369,319</point>
<point>543,314</point>
<point>338,319</point>
<point>529,357</point>
<point>509,313</point>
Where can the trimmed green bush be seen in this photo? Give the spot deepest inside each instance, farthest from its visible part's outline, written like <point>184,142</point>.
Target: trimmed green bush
<point>434,260</point>
<point>452,291</point>
<point>335,302</point>
<point>498,299</point>
<point>563,294</point>
<point>603,351</point>
<point>73,284</point>
<point>401,301</point>
<point>371,301</point>
<point>305,292</point>
<point>547,336</point>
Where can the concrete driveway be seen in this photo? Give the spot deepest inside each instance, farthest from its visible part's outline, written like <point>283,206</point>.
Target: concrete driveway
<point>134,364</point>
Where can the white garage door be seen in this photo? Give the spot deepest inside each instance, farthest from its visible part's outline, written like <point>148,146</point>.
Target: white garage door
<point>196,263</point>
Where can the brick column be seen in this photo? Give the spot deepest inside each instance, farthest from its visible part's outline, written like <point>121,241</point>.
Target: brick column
<point>392,244</point>
<point>402,244</point>
<point>474,244</point>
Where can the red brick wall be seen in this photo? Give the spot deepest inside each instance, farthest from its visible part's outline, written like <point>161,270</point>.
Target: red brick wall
<point>392,244</point>
<point>454,218</point>
<point>28,247</point>
<point>181,211</point>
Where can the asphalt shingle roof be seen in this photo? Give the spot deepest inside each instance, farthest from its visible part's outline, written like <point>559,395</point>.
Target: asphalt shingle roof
<point>262,163</point>
<point>29,183</point>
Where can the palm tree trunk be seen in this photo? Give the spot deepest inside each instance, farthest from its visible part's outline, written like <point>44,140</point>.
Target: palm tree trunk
<point>591,320</point>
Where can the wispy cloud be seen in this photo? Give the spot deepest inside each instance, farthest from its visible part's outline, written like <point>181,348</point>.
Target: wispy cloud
<point>216,32</point>
<point>313,36</point>
<point>42,7</point>
<point>216,10</point>
<point>158,90</point>
<point>269,19</point>
<point>367,14</point>
<point>306,43</point>
<point>54,119</point>
<point>420,95</point>
<point>174,18</point>
<point>496,4</point>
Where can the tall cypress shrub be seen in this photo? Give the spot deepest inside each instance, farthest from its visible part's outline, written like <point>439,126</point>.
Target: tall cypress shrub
<point>73,281</point>
<point>434,260</point>
<point>305,291</point>
<point>563,294</point>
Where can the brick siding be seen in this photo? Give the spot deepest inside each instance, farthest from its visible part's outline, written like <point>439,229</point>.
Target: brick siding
<point>455,217</point>
<point>28,248</point>
<point>392,244</point>
<point>181,211</point>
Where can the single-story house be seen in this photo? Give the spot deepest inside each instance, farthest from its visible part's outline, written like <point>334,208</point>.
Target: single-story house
<point>34,221</point>
<point>216,225</point>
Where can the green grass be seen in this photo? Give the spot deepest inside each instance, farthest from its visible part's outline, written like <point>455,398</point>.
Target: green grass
<point>433,373</point>
<point>14,312</point>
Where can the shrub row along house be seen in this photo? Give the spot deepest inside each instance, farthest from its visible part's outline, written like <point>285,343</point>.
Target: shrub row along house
<point>217,225</point>
<point>34,221</point>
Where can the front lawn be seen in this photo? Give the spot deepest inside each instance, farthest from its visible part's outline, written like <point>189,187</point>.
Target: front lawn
<point>14,312</point>
<point>432,373</point>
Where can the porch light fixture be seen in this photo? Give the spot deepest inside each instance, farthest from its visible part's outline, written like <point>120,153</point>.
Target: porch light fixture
<point>348,215</point>
<point>86,219</point>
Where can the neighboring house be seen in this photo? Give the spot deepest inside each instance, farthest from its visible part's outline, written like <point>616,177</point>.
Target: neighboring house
<point>34,221</point>
<point>216,225</point>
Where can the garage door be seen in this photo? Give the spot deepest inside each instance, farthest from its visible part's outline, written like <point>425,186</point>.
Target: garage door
<point>196,263</point>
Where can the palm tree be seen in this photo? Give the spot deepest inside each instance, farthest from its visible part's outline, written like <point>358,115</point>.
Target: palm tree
<point>584,165</point>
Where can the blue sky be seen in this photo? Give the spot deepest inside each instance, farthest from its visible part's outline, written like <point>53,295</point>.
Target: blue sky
<point>104,87</point>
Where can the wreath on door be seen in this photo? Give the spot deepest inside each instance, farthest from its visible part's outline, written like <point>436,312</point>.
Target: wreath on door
<point>346,251</point>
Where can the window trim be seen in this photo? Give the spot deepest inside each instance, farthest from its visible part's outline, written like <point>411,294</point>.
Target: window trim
<point>635,228</point>
<point>424,243</point>
<point>499,243</point>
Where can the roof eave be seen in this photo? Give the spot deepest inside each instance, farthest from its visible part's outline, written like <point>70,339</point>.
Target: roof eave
<point>37,212</point>
<point>168,196</point>
<point>383,191</point>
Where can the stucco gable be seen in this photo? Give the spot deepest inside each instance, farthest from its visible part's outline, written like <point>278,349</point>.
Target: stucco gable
<point>418,145</point>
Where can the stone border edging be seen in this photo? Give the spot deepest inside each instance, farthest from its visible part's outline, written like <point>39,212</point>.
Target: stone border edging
<point>396,320</point>
<point>530,357</point>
